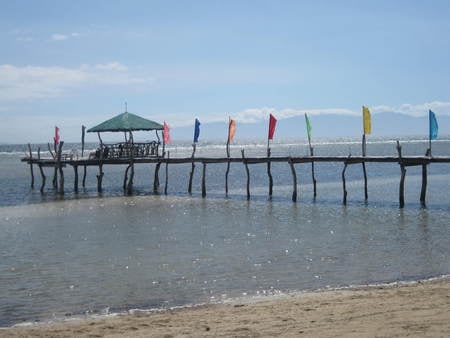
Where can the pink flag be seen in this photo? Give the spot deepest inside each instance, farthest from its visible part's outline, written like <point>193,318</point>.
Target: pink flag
<point>166,135</point>
<point>56,138</point>
<point>272,124</point>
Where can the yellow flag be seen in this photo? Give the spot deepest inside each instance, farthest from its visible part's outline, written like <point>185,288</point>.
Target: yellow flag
<point>366,120</point>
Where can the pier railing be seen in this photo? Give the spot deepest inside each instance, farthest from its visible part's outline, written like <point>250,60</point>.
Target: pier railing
<point>126,150</point>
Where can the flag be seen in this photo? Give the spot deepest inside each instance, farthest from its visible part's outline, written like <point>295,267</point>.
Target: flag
<point>272,124</point>
<point>308,127</point>
<point>196,130</point>
<point>166,135</point>
<point>56,138</point>
<point>433,126</point>
<point>231,130</point>
<point>366,120</point>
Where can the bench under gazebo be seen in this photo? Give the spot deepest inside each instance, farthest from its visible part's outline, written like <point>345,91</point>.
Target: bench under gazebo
<point>127,123</point>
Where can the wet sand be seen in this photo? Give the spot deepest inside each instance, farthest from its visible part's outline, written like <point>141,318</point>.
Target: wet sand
<point>420,309</point>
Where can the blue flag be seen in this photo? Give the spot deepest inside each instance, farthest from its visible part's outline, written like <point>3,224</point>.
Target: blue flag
<point>433,126</point>
<point>196,130</point>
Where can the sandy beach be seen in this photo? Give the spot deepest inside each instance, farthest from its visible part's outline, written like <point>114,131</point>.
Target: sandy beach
<point>420,309</point>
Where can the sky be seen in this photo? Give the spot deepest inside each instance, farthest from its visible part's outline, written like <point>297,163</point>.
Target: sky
<point>73,63</point>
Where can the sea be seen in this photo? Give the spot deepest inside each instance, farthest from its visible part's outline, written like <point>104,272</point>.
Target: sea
<point>72,255</point>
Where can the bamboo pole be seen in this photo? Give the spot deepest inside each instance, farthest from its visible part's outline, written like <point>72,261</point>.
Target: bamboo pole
<point>244,160</point>
<point>364,167</point>
<point>130,181</point>
<point>228,168</point>
<point>294,179</point>
<point>311,151</point>
<point>125,177</point>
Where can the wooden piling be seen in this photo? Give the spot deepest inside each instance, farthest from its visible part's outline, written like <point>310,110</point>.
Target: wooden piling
<point>31,166</point>
<point>294,181</point>
<point>167,174</point>
<point>344,200</point>
<point>269,173</point>
<point>156,178</point>
<point>84,176</point>
<point>402,178</point>
<point>244,160</point>
<point>131,179</point>
<point>191,175</point>
<point>204,180</point>
<point>125,178</point>
<point>100,176</point>
<point>75,182</point>
<point>311,152</point>
<point>423,189</point>
<point>42,178</point>
<point>60,169</point>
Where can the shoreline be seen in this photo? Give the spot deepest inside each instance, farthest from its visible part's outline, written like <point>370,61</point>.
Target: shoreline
<point>415,308</point>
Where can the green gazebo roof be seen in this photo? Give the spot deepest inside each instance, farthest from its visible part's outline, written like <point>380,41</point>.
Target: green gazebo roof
<point>126,122</point>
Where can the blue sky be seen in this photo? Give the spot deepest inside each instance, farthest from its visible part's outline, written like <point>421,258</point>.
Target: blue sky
<point>69,63</point>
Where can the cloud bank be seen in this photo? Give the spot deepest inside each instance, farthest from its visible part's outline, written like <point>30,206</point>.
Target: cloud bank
<point>32,82</point>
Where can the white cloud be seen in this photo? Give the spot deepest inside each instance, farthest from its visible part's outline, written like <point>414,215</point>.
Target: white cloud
<point>59,37</point>
<point>415,109</point>
<point>32,82</point>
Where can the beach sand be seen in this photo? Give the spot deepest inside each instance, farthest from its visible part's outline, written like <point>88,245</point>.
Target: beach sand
<point>420,309</point>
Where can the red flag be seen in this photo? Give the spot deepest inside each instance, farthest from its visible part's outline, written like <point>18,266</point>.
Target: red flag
<point>166,135</point>
<point>56,138</point>
<point>272,124</point>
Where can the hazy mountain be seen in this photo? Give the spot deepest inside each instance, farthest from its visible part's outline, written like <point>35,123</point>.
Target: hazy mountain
<point>383,124</point>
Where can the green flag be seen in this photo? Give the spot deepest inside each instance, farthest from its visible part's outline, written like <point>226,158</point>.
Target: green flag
<point>308,127</point>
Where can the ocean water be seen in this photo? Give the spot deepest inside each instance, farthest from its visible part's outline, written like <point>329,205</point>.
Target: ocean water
<point>89,253</point>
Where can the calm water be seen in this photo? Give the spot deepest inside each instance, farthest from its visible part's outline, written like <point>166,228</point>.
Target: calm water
<point>87,254</point>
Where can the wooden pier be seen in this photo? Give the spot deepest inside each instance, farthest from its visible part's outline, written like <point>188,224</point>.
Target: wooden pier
<point>60,161</point>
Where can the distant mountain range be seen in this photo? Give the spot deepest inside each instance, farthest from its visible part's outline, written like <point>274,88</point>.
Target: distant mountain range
<point>330,125</point>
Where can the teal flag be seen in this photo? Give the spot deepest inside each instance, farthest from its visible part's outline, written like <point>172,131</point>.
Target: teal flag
<point>433,126</point>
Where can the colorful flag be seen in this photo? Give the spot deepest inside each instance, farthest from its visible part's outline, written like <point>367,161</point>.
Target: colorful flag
<point>166,135</point>
<point>272,124</point>
<point>196,130</point>
<point>308,127</point>
<point>56,138</point>
<point>366,120</point>
<point>231,130</point>
<point>433,126</point>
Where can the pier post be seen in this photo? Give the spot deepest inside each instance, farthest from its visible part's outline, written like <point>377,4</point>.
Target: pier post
<point>244,160</point>
<point>191,175</point>
<point>130,181</point>
<point>31,166</point>
<point>100,176</point>
<point>84,176</point>
<point>167,173</point>
<point>59,165</point>
<point>156,179</point>
<point>402,178</point>
<point>75,183</point>
<point>294,178</point>
<point>344,201</point>
<point>311,151</point>
<point>423,190</point>
<point>204,180</point>
<point>125,178</point>
<point>43,178</point>
<point>269,173</point>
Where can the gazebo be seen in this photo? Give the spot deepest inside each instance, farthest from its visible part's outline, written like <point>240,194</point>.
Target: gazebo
<point>127,123</point>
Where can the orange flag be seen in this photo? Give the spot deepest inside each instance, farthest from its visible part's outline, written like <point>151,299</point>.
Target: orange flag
<point>231,130</point>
